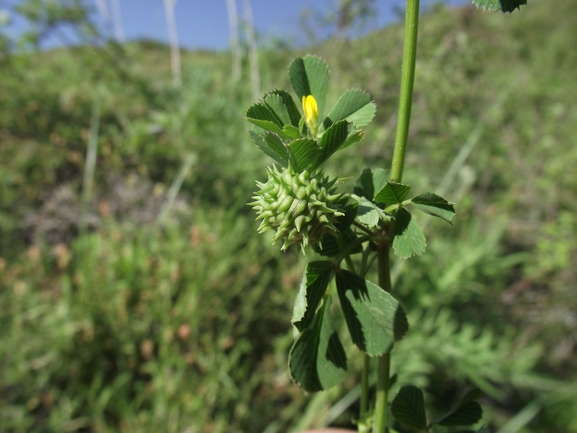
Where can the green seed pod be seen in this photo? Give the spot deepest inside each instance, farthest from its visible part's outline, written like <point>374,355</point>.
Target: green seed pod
<point>299,207</point>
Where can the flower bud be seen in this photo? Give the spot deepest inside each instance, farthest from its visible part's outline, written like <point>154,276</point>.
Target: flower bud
<point>311,114</point>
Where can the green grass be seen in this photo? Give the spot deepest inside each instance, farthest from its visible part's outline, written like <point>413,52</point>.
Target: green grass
<point>138,326</point>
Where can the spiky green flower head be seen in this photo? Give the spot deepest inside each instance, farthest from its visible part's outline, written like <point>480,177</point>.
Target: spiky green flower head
<point>299,207</point>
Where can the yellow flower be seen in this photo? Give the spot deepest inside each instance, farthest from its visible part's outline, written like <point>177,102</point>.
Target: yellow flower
<point>311,114</point>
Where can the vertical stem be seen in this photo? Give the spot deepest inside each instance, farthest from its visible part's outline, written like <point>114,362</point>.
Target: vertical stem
<point>405,103</point>
<point>384,361</point>
<point>406,96</point>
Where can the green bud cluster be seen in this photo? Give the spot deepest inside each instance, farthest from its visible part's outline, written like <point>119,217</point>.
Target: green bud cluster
<point>299,207</point>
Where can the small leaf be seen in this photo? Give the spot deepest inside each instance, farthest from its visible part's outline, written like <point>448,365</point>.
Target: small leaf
<point>278,107</point>
<point>332,246</point>
<point>434,205</point>
<point>272,145</point>
<point>352,137</point>
<point>408,408</point>
<point>370,181</point>
<point>312,289</point>
<point>303,152</point>
<point>472,395</point>
<point>499,5</point>
<point>262,113</point>
<point>317,359</point>
<point>369,214</point>
<point>374,318</point>
<point>468,412</point>
<point>263,116</point>
<point>310,76</point>
<point>364,184</point>
<point>332,140</point>
<point>392,193</point>
<point>290,132</point>
<point>355,106</point>
<point>288,106</point>
<point>343,222</point>
<point>409,239</point>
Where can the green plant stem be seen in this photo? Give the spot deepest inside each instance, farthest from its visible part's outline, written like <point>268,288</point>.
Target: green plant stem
<point>405,104</point>
<point>406,95</point>
<point>384,362</point>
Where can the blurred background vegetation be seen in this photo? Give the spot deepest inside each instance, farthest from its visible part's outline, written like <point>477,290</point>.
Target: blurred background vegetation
<point>136,296</point>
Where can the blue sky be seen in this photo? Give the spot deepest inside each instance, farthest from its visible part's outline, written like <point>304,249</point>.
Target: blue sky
<point>204,23</point>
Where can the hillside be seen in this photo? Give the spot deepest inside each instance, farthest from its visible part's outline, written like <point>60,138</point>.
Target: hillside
<point>125,307</point>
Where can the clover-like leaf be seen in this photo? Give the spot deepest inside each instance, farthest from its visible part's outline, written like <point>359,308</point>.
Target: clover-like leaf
<point>435,205</point>
<point>468,412</point>
<point>409,239</point>
<point>303,153</point>
<point>332,140</point>
<point>312,289</point>
<point>369,214</point>
<point>374,318</point>
<point>263,116</point>
<point>283,105</point>
<point>262,113</point>
<point>331,246</point>
<point>272,145</point>
<point>355,106</point>
<point>392,193</point>
<point>408,408</point>
<point>317,360</point>
<point>370,181</point>
<point>310,76</point>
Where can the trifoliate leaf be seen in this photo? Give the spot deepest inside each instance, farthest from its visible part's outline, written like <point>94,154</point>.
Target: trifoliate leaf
<point>272,145</point>
<point>370,181</point>
<point>263,116</point>
<point>409,239</point>
<point>369,214</point>
<point>392,193</point>
<point>355,106</point>
<point>290,132</point>
<point>332,140</point>
<point>277,105</point>
<point>262,113</point>
<point>286,104</point>
<point>312,289</point>
<point>374,318</point>
<point>499,5</point>
<point>434,205</point>
<point>468,412</point>
<point>408,408</point>
<point>303,152</point>
<point>310,76</point>
<point>317,360</point>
